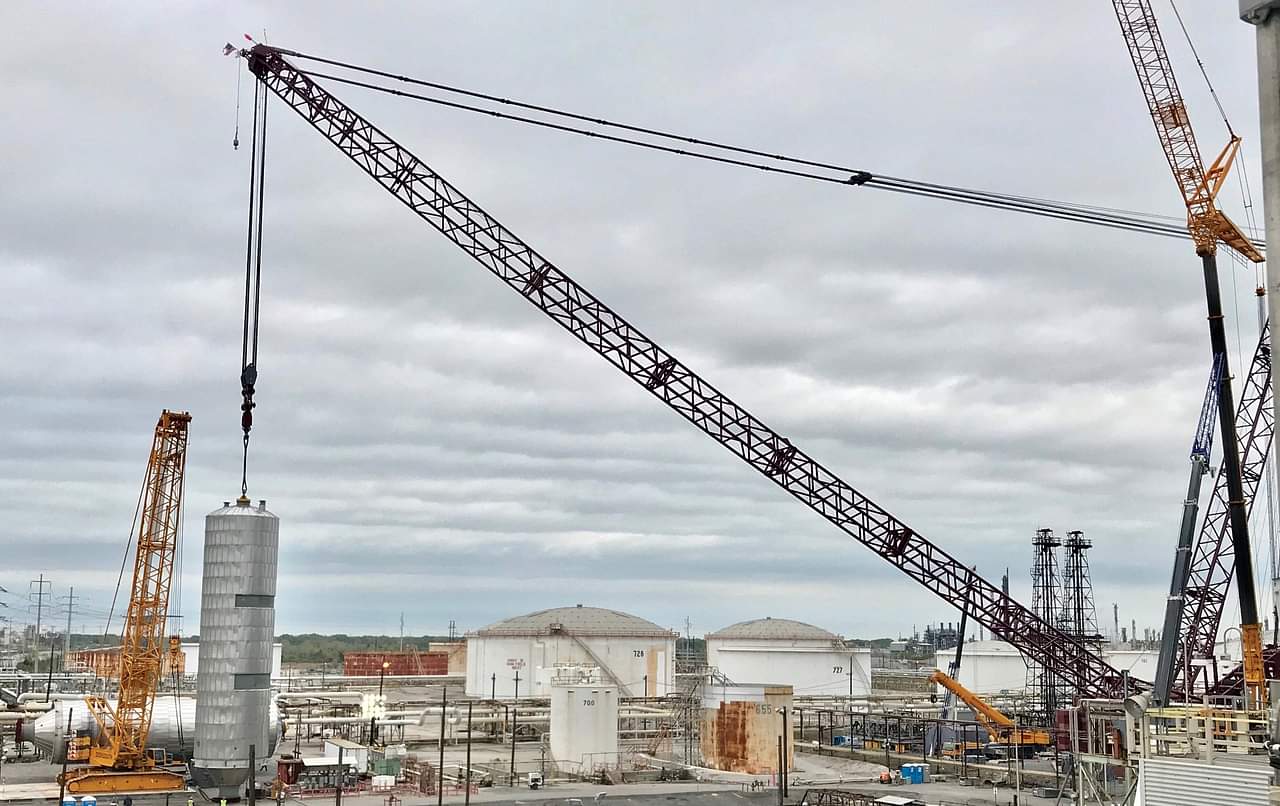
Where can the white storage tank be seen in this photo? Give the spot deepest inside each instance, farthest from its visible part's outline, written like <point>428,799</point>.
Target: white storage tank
<point>632,653</point>
<point>987,667</point>
<point>1139,663</point>
<point>584,723</point>
<point>237,633</point>
<point>811,660</point>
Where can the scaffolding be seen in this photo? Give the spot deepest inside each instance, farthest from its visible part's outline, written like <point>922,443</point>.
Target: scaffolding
<point>1045,685</point>
<point>1079,616</point>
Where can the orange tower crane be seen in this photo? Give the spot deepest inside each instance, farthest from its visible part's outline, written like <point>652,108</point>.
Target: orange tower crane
<point>1208,226</point>
<point>119,761</point>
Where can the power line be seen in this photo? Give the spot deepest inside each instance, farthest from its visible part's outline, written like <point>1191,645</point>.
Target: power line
<point>1116,218</point>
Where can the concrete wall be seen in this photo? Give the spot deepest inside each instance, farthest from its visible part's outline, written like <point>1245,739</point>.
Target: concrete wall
<point>988,667</point>
<point>584,726</point>
<point>810,667</point>
<point>630,659</point>
<point>741,726</point>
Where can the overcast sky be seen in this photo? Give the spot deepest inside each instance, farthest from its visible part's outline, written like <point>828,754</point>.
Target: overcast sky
<point>436,446</point>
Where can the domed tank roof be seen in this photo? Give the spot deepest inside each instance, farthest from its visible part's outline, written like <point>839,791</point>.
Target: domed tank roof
<point>775,629</point>
<point>577,620</point>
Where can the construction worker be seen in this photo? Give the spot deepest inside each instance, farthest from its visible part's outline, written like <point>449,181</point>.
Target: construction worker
<point>191,801</point>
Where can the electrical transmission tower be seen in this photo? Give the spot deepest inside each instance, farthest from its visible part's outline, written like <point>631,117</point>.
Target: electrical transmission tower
<point>69,604</point>
<point>1044,684</point>
<point>38,592</point>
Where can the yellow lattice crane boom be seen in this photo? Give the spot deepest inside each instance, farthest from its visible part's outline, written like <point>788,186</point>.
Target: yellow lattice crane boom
<point>1208,226</point>
<point>1199,187</point>
<point>119,761</point>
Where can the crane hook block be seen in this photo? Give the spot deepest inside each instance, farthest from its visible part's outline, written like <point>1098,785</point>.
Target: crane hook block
<point>248,378</point>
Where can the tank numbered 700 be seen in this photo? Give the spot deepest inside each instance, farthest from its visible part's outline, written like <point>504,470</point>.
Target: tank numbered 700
<point>588,702</point>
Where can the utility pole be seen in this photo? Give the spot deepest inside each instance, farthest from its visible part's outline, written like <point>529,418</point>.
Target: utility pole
<point>1262,14</point>
<point>402,631</point>
<point>467,796</point>
<point>513,744</point>
<point>444,706</point>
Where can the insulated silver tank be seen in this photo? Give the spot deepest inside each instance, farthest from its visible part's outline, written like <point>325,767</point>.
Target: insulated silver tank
<point>237,630</point>
<point>172,726</point>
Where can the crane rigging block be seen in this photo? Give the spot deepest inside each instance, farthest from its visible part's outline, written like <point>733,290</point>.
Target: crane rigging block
<point>539,281</point>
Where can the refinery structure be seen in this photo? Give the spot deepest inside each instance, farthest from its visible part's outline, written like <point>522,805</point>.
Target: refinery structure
<point>1051,695</point>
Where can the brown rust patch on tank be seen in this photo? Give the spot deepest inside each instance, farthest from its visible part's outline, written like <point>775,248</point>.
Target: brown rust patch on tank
<point>733,731</point>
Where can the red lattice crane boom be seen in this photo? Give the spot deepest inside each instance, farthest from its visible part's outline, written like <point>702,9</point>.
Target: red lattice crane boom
<point>590,320</point>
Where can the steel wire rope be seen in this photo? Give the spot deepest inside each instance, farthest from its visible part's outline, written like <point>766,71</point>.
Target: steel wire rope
<point>710,143</point>
<point>252,275</point>
<point>962,195</point>
<point>124,561</point>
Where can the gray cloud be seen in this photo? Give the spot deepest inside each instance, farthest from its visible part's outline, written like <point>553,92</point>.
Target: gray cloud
<point>435,446</point>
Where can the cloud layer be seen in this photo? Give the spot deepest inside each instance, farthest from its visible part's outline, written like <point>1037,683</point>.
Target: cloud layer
<point>434,446</point>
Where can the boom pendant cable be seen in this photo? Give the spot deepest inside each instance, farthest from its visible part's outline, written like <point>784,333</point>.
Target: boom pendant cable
<point>1135,222</point>
<point>677,144</point>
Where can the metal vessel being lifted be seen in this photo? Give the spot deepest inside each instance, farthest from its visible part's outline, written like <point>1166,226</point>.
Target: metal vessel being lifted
<point>237,628</point>
<point>172,727</point>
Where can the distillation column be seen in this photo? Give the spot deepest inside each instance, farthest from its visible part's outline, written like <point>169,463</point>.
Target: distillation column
<point>237,630</point>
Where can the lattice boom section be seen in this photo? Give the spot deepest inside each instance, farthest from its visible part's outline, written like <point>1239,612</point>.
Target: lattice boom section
<point>1213,556</point>
<point>1160,89</point>
<point>574,308</point>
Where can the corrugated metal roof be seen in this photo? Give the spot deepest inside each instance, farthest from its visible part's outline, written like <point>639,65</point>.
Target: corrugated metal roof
<point>1184,782</point>
<point>579,621</point>
<point>782,629</point>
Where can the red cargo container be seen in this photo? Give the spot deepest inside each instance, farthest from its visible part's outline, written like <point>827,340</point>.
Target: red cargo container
<point>369,664</point>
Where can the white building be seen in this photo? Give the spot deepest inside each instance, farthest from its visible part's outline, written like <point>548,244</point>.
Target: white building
<point>987,667</point>
<point>811,660</point>
<point>632,653</point>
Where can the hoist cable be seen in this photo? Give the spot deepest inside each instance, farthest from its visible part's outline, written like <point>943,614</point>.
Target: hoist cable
<point>252,277</point>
